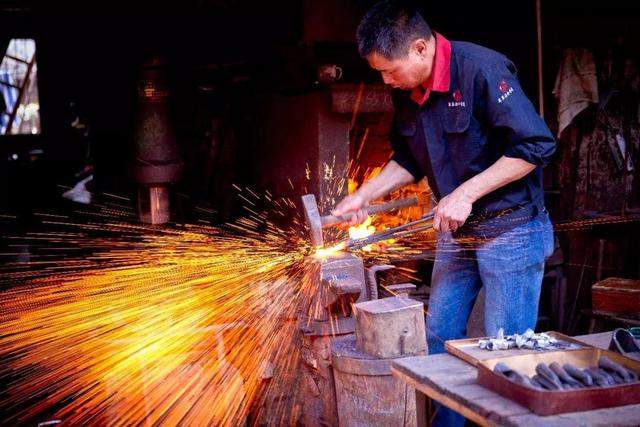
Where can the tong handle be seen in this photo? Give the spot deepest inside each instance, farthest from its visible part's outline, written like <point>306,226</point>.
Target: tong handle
<point>399,231</point>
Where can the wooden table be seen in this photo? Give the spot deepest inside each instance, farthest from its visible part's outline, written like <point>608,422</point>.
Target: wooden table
<point>452,382</point>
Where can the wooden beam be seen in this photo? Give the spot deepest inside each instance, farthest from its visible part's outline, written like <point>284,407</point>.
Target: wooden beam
<point>16,59</point>
<point>539,44</point>
<point>9,84</point>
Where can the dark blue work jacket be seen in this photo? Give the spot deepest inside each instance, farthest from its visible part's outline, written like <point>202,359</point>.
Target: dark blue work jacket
<point>457,134</point>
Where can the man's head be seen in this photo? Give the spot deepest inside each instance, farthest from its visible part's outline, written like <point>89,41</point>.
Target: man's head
<point>397,41</point>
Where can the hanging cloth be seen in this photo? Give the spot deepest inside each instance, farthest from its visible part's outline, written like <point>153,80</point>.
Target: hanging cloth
<point>576,85</point>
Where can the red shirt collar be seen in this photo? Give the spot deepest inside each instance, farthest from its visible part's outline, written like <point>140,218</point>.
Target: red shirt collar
<point>440,77</point>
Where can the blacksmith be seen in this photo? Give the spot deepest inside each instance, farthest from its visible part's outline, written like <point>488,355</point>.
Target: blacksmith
<point>463,121</point>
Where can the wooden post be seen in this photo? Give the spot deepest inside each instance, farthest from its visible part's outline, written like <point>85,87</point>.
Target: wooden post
<point>539,45</point>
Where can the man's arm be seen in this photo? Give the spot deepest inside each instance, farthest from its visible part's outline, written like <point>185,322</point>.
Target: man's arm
<point>454,209</point>
<point>390,178</point>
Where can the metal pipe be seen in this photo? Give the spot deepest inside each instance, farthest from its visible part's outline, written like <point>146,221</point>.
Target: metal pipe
<point>157,161</point>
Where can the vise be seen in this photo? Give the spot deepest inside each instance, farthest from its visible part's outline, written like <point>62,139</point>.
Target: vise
<point>340,282</point>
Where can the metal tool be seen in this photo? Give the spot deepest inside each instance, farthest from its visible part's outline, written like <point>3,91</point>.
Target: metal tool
<point>317,222</point>
<point>422,224</point>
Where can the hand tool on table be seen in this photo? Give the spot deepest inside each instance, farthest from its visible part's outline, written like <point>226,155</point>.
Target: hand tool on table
<point>317,222</point>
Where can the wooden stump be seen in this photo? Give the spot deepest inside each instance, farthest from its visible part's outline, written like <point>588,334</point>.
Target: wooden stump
<point>390,327</point>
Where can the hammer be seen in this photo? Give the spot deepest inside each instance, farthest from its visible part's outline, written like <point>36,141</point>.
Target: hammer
<point>317,222</point>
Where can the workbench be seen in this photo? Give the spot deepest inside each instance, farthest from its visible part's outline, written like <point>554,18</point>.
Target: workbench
<point>453,382</point>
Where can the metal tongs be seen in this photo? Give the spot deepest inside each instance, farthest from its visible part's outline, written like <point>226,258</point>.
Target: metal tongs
<point>422,224</point>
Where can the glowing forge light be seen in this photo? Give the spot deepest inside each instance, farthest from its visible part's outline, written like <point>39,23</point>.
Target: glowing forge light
<point>361,231</point>
<point>333,250</point>
<point>355,232</point>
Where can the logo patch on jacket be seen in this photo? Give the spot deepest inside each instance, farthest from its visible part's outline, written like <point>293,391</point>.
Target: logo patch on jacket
<point>506,91</point>
<point>457,99</point>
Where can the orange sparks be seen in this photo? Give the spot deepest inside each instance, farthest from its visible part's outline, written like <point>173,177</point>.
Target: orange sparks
<point>190,326</point>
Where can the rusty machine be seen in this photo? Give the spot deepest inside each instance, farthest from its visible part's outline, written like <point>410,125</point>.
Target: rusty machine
<point>157,161</point>
<point>330,329</point>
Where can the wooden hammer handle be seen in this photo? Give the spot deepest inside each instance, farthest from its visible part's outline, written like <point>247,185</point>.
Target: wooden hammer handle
<point>330,220</point>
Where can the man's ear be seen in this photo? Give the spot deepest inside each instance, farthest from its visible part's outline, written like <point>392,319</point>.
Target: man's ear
<point>419,47</point>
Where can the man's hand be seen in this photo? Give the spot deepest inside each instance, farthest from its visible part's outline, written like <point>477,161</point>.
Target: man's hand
<point>452,211</point>
<point>391,177</point>
<point>352,203</point>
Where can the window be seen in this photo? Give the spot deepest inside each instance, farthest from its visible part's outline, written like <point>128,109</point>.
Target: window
<point>19,101</point>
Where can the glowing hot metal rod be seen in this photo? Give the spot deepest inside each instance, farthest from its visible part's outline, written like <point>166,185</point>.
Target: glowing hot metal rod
<point>317,222</point>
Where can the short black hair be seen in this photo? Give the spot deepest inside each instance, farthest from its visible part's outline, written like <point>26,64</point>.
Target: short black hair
<point>389,27</point>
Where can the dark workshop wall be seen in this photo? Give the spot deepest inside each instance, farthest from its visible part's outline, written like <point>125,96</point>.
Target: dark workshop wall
<point>608,249</point>
<point>90,53</point>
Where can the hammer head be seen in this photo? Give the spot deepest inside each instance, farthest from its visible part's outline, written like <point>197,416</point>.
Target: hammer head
<point>312,215</point>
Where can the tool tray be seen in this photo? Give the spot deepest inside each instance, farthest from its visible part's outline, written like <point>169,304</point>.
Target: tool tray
<point>550,402</point>
<point>467,348</point>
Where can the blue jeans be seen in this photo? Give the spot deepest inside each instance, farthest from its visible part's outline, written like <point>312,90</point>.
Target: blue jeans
<point>510,267</point>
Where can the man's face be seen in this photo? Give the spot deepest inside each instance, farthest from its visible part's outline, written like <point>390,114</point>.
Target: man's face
<point>406,72</point>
